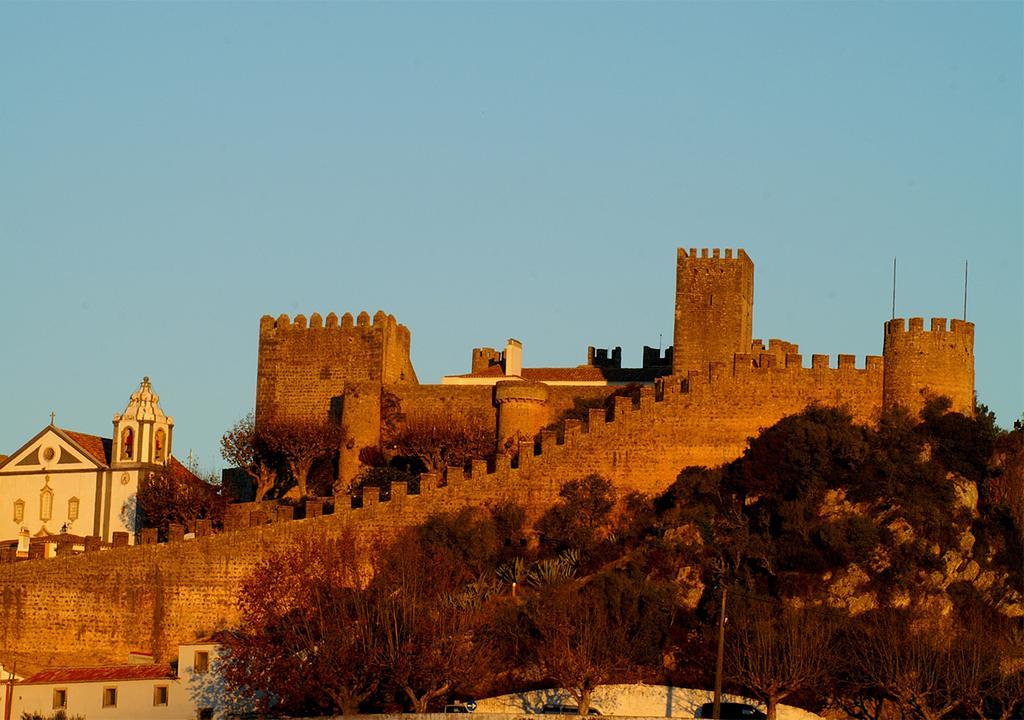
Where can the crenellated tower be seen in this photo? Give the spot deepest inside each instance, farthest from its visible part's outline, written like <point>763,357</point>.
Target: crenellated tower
<point>920,363</point>
<point>714,308</point>
<point>331,369</point>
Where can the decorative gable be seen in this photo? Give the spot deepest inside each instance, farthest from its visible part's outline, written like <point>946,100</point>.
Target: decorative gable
<point>53,449</point>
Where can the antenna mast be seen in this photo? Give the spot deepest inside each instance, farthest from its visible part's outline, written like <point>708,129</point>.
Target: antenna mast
<point>965,290</point>
<point>893,288</point>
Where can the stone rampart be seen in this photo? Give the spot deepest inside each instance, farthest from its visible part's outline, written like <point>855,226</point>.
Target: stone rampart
<point>98,606</point>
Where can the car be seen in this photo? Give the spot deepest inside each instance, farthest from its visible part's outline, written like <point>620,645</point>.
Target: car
<point>556,709</point>
<point>466,707</point>
<point>731,711</point>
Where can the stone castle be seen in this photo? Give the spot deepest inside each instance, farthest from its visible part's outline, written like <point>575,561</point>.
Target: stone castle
<point>723,385</point>
<point>697,404</point>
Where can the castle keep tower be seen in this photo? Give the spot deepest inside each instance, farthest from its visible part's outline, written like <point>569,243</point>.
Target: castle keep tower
<point>920,364</point>
<point>714,308</point>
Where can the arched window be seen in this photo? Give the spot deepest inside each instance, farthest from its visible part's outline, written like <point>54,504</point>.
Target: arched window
<point>45,504</point>
<point>19,511</point>
<point>158,446</point>
<point>73,509</point>
<point>127,444</point>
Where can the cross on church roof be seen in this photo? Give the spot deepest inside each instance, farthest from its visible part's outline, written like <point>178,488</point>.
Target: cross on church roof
<point>53,416</point>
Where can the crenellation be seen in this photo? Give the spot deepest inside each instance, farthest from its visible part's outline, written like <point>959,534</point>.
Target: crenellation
<point>399,490</point>
<point>794,361</point>
<point>316,322</point>
<point>347,322</point>
<point>477,471</point>
<point>596,418</point>
<point>548,441</point>
<point>916,325</point>
<point>820,362</point>
<point>622,407</point>
<point>363,320</point>
<point>938,324</point>
<point>299,322</point>
<point>572,432</point>
<point>332,321</point>
<point>847,362</point>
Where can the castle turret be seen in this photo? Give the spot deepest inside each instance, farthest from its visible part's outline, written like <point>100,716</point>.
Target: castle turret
<point>714,308</point>
<point>920,364</point>
<point>522,409</point>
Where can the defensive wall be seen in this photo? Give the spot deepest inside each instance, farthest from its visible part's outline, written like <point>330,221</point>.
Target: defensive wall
<point>99,605</point>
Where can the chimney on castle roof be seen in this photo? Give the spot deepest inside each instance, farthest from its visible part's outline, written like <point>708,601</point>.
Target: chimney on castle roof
<point>514,357</point>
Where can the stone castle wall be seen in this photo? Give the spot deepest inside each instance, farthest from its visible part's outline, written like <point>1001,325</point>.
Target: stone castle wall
<point>97,606</point>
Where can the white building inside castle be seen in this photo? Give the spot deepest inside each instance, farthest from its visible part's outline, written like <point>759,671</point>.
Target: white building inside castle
<point>66,482</point>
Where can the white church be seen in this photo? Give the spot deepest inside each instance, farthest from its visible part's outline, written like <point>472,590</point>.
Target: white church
<point>65,482</point>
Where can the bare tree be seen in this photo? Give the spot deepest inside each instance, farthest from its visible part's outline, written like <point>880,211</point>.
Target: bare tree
<point>243,447</point>
<point>427,642</point>
<point>924,671</point>
<point>583,634</point>
<point>443,441</point>
<point>302,443</point>
<point>775,652</point>
<point>306,642</point>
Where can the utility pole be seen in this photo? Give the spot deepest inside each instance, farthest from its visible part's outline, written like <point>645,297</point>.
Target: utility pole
<point>9,699</point>
<point>717,711</point>
<point>965,290</point>
<point>893,288</point>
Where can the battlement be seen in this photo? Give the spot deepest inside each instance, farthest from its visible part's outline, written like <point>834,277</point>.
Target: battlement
<point>283,324</point>
<point>712,254</point>
<point>600,357</point>
<point>957,328</point>
<point>748,363</point>
<point>655,358</point>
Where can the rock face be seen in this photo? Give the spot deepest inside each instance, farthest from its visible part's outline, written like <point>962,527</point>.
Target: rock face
<point>850,588</point>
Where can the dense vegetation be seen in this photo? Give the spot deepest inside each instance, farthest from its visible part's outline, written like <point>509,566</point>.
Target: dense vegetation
<point>863,566</point>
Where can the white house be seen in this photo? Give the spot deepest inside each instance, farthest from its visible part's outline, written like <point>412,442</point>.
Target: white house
<point>62,481</point>
<point>188,689</point>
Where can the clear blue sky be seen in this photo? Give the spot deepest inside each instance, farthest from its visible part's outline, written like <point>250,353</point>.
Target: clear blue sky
<point>169,172</point>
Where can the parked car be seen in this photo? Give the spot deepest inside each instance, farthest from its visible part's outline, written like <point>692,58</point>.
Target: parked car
<point>554,709</point>
<point>731,711</point>
<point>458,707</point>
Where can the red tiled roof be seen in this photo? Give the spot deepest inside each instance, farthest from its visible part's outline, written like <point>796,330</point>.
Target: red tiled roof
<point>583,373</point>
<point>98,447</point>
<point>180,471</point>
<point>108,673</point>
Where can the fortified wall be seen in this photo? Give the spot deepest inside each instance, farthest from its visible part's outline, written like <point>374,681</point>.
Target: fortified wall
<point>341,370</point>
<point>97,606</point>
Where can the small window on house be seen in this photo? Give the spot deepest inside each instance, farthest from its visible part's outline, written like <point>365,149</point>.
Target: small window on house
<point>127,444</point>
<point>45,504</point>
<point>110,697</point>
<point>60,699</point>
<point>19,511</point>
<point>73,509</point>
<point>206,714</point>
<point>202,662</point>
<point>159,695</point>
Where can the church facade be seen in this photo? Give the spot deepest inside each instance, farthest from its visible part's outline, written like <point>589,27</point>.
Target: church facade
<point>72,483</point>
